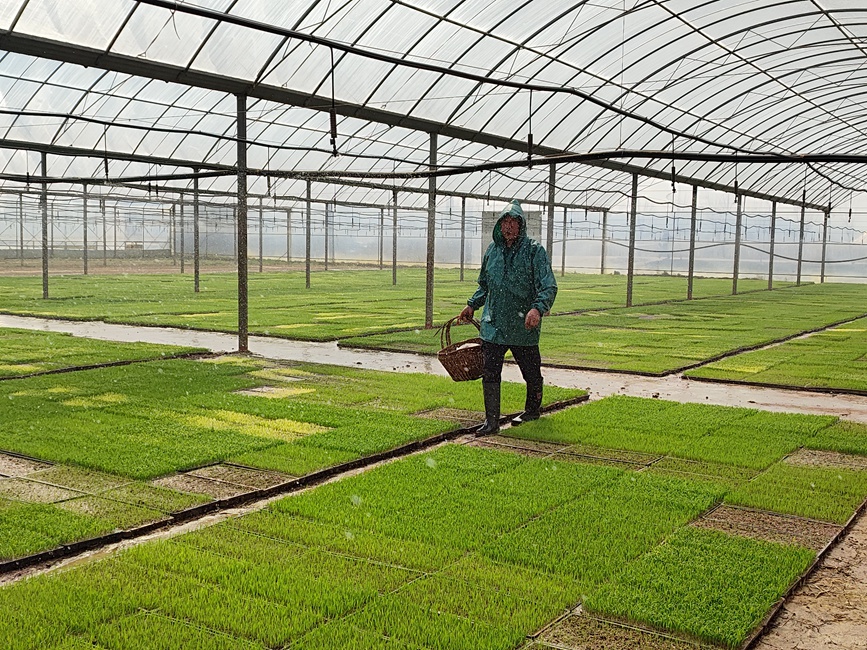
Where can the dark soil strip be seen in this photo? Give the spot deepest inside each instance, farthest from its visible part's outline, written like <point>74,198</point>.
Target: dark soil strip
<point>826,390</point>
<point>775,610</point>
<point>196,512</point>
<point>112,364</point>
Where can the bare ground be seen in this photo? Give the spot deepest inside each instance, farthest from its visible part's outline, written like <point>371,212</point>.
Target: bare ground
<point>829,611</point>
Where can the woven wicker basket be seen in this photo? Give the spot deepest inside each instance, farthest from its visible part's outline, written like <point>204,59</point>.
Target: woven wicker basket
<point>463,360</point>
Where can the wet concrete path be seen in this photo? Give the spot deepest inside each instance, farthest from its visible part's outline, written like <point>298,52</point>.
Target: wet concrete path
<point>600,384</point>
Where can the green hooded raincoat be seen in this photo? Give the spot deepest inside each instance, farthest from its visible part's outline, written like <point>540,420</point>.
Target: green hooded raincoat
<point>512,281</point>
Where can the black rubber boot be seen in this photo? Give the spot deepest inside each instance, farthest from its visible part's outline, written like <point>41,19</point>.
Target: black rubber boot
<point>491,391</point>
<point>531,407</point>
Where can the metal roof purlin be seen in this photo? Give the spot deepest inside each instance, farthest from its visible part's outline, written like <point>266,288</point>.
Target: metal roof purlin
<point>89,57</point>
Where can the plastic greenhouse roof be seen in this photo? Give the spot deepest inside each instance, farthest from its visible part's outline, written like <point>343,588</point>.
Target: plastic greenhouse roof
<point>150,84</point>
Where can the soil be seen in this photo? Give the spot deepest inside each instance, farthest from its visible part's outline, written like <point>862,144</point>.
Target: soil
<point>198,485</point>
<point>248,477</point>
<point>583,632</point>
<point>17,466</point>
<point>769,526</point>
<point>460,416</point>
<point>829,611</point>
<point>20,489</point>
<point>816,458</point>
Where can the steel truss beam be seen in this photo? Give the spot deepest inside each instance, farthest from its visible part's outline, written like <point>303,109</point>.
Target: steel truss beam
<point>90,57</point>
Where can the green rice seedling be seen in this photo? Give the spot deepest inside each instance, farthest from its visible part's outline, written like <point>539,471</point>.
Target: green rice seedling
<point>722,471</point>
<point>607,527</point>
<point>549,482</point>
<point>662,338</point>
<point>225,610</point>
<point>79,479</point>
<point>829,494</point>
<point>494,607</point>
<point>716,434</point>
<point>343,634</point>
<point>116,515</point>
<point>702,583</point>
<point>828,359</point>
<point>45,609</point>
<point>27,528</point>
<point>555,592</point>
<point>398,618</point>
<point>843,436</point>
<point>339,539</point>
<point>24,352</point>
<point>150,631</point>
<point>392,499</point>
<point>295,459</point>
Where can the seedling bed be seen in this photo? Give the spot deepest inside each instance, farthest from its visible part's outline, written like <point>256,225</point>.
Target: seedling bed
<point>247,477</point>
<point>22,489</point>
<point>831,361</point>
<point>340,304</point>
<point>582,631</point>
<point>818,458</point>
<point>670,338</point>
<point>25,353</point>
<point>769,526</point>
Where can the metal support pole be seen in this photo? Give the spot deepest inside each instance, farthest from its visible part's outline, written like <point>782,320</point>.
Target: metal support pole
<point>394,238</point>
<point>114,234</point>
<point>737,261</point>
<point>431,235</point>
<point>327,210</point>
<point>552,178</point>
<point>563,247</point>
<point>604,237</point>
<point>84,225</point>
<point>104,233</point>
<point>771,248</point>
<point>196,257</point>
<point>692,224</point>
<point>634,217</point>
<point>235,234</point>
<point>463,233</point>
<point>183,229</point>
<point>307,236</point>
<point>261,229</point>
<point>44,202</point>
<point>143,229</point>
<point>824,245</point>
<point>288,236</point>
<point>801,238</point>
<point>381,235</point>
<point>21,228</point>
<point>242,223</point>
<point>173,234</point>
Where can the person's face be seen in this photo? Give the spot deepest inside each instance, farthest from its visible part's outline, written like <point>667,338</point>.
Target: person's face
<point>510,227</point>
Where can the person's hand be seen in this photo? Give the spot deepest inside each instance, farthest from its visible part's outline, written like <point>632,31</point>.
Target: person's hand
<point>466,315</point>
<point>532,319</point>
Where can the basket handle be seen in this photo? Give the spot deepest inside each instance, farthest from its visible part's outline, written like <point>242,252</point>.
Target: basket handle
<point>446,331</point>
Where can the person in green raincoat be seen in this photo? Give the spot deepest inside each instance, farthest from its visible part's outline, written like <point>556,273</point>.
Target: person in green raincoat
<point>516,287</point>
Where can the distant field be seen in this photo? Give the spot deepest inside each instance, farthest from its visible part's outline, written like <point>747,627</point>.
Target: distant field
<point>833,359</point>
<point>664,338</point>
<point>339,304</point>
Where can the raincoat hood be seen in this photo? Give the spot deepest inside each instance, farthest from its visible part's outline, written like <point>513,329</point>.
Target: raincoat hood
<point>512,210</point>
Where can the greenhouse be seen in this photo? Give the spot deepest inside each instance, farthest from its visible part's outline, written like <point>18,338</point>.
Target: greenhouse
<point>235,236</point>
